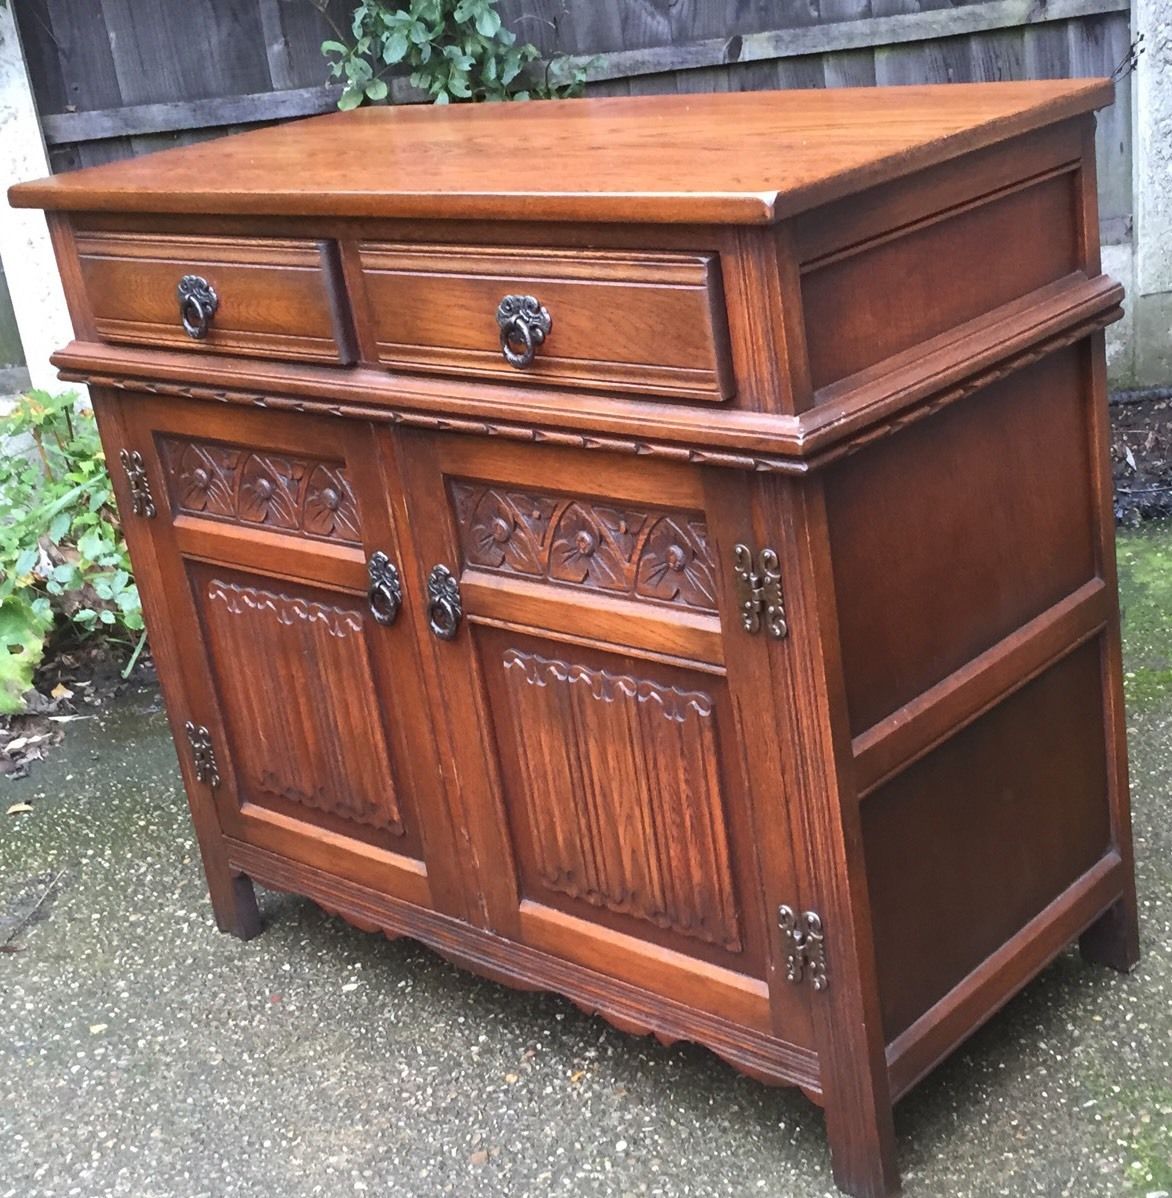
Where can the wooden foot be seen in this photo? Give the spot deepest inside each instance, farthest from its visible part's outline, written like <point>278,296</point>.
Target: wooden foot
<point>1113,939</point>
<point>235,908</point>
<point>862,1156</point>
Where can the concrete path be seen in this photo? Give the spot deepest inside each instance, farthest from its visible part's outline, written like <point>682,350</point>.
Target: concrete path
<point>143,1054</point>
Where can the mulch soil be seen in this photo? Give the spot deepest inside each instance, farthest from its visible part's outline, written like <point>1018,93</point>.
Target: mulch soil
<point>1141,454</point>
<point>75,680</point>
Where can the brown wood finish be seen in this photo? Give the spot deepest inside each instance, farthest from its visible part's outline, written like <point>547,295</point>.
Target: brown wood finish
<point>610,778</point>
<point>646,323</point>
<point>277,299</point>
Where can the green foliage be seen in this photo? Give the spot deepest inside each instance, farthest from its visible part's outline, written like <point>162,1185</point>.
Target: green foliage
<point>62,556</point>
<point>453,49</point>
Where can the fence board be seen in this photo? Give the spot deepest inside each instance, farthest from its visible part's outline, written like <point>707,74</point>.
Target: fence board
<point>906,22</point>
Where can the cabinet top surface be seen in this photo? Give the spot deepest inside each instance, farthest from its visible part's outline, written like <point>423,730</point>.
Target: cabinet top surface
<point>727,158</point>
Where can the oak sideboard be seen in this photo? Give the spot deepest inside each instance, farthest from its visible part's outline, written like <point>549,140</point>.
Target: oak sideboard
<point>657,550</point>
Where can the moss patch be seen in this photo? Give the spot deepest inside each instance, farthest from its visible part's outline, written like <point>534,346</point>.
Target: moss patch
<point>1145,593</point>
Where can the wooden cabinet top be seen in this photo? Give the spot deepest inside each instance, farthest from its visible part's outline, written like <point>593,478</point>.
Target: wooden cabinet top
<point>733,158</point>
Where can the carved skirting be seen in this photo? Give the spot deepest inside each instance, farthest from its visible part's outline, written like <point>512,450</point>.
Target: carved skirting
<point>627,1007</point>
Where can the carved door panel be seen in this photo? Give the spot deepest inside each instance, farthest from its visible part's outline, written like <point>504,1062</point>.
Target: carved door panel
<point>592,714</point>
<point>278,559</point>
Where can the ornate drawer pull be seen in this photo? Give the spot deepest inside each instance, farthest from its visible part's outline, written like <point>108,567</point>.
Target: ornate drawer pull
<point>525,324</point>
<point>198,302</point>
<point>444,609</point>
<point>386,593</point>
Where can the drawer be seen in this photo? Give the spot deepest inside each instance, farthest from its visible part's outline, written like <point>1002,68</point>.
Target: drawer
<point>648,322</point>
<point>234,295</point>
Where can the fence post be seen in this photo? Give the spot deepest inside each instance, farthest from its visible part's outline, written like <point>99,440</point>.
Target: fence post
<point>1153,194</point>
<point>25,251</point>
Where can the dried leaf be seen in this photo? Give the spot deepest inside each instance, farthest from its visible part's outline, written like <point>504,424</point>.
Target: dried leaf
<point>18,809</point>
<point>61,691</point>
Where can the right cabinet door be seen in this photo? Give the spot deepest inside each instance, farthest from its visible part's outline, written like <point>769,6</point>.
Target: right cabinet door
<point>579,612</point>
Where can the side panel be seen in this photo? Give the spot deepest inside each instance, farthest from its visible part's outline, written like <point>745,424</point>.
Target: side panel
<point>976,607</point>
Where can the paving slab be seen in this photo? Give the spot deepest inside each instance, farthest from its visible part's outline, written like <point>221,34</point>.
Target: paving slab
<point>144,1054</point>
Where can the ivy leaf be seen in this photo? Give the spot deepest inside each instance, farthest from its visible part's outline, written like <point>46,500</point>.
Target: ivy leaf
<point>350,98</point>
<point>395,47</point>
<point>377,89</point>
<point>330,47</point>
<point>22,640</point>
<point>488,22</point>
<point>59,526</point>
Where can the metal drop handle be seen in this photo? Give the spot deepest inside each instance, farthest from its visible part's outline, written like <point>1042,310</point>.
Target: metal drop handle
<point>524,325</point>
<point>386,593</point>
<point>198,302</point>
<point>444,609</point>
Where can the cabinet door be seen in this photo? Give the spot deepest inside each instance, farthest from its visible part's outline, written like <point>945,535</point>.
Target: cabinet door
<point>594,716</point>
<point>264,527</point>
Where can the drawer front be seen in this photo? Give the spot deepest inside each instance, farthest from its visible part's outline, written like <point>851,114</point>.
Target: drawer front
<point>268,297</point>
<point>652,323</point>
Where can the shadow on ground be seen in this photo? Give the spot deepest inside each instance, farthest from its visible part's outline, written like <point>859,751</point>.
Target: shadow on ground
<point>143,1054</point>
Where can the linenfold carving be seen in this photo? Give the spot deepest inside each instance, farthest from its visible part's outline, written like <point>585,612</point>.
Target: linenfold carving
<point>297,676</point>
<point>622,794</point>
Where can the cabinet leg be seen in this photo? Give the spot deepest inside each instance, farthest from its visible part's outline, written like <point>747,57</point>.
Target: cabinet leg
<point>1113,939</point>
<point>234,905</point>
<point>862,1153</point>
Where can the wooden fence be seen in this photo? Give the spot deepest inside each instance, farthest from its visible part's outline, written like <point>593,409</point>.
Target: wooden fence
<point>119,77</point>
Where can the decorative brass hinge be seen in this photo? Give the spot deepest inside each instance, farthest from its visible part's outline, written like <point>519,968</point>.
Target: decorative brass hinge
<point>202,754</point>
<point>805,958</point>
<point>759,591</point>
<point>141,500</point>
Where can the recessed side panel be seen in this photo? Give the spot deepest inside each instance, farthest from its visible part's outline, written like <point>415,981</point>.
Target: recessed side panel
<point>953,533</point>
<point>866,302</point>
<point>966,846</point>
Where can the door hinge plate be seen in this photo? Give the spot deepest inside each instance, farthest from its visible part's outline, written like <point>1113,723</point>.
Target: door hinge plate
<point>142,502</point>
<point>758,589</point>
<point>805,958</point>
<point>203,756</point>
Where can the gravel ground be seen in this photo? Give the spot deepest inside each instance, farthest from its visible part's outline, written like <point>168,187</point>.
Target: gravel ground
<point>143,1054</point>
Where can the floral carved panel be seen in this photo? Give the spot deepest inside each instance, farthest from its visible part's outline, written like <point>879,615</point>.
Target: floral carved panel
<point>297,495</point>
<point>642,553</point>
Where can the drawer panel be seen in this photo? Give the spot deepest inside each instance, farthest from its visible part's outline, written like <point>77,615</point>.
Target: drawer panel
<point>647,322</point>
<point>273,298</point>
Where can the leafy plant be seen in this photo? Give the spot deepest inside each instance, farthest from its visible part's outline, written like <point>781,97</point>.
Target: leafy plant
<point>453,49</point>
<point>63,562</point>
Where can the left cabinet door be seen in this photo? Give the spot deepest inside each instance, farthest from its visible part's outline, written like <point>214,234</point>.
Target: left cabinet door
<point>269,542</point>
